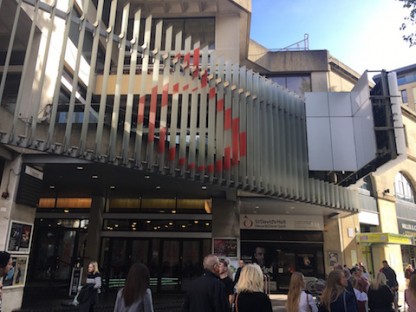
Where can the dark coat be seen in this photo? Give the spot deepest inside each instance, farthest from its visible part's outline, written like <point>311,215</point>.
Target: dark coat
<point>380,300</point>
<point>338,305</point>
<point>206,294</point>
<point>253,301</point>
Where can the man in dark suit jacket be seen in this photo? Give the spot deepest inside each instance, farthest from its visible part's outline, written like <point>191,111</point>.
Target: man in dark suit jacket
<point>207,293</point>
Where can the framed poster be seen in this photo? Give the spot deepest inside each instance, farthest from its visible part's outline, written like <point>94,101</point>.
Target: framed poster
<point>333,258</point>
<point>20,237</point>
<point>17,274</point>
<point>225,247</point>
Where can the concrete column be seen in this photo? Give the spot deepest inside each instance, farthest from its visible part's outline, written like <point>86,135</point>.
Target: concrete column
<point>10,210</point>
<point>332,242</point>
<point>94,231</point>
<point>225,218</point>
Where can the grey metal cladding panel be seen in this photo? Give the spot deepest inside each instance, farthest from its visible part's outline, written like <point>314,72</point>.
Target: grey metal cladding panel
<point>154,96</point>
<point>9,51</point>
<point>51,130</point>
<point>173,131</point>
<point>91,79</point>
<point>138,144</point>
<point>130,92</point>
<point>184,109</point>
<point>211,118</point>
<point>37,100</point>
<point>166,88</point>
<point>243,126</point>
<point>227,123</point>
<point>219,130</point>
<point>203,127</point>
<point>13,135</point>
<point>249,130</point>
<point>112,153</point>
<point>104,88</point>
<point>235,126</point>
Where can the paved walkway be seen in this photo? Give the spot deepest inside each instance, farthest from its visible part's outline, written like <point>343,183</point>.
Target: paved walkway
<point>162,303</point>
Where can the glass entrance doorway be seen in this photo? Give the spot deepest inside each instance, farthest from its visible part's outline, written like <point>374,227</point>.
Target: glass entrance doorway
<point>172,262</point>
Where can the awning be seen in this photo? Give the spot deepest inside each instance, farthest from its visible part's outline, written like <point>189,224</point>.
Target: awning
<point>384,238</point>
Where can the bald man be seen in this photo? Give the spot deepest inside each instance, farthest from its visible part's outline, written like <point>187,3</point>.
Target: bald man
<point>207,293</point>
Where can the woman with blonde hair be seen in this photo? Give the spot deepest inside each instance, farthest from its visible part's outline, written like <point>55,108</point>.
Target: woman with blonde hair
<point>250,295</point>
<point>410,294</point>
<point>380,296</point>
<point>94,283</point>
<point>297,299</point>
<point>335,297</point>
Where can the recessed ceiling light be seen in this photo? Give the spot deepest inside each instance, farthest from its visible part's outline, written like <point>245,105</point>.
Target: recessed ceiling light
<point>112,187</point>
<point>203,187</point>
<point>80,167</point>
<point>95,177</point>
<point>66,210</point>
<point>51,186</point>
<point>147,177</point>
<point>173,211</point>
<point>148,221</point>
<point>158,187</point>
<point>196,221</point>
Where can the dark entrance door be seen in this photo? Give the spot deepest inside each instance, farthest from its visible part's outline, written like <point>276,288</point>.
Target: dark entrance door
<point>172,263</point>
<point>55,253</point>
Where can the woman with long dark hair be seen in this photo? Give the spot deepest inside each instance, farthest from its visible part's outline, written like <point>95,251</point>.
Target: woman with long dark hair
<point>136,294</point>
<point>335,297</point>
<point>297,299</point>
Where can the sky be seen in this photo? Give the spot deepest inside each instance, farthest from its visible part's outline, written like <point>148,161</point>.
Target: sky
<point>363,34</point>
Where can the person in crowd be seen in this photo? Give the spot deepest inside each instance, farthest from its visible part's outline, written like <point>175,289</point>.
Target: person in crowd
<point>365,273</point>
<point>207,292</point>
<point>410,294</point>
<point>297,299</point>
<point>361,282</point>
<point>228,282</point>
<point>380,296</point>
<point>360,294</point>
<point>391,282</point>
<point>6,263</point>
<point>94,279</point>
<point>347,274</point>
<point>408,272</point>
<point>335,297</point>
<point>136,294</point>
<point>250,295</point>
<point>241,265</point>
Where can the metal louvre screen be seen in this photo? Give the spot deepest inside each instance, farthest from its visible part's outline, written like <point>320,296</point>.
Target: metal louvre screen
<point>181,111</point>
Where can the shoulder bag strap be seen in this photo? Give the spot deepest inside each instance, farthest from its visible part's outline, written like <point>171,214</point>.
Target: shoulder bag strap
<point>345,302</point>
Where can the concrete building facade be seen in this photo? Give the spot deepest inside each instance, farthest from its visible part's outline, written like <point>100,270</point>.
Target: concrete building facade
<point>154,131</point>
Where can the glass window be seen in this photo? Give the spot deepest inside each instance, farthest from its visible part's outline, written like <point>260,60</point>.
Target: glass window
<point>404,96</point>
<point>297,84</point>
<point>403,189</point>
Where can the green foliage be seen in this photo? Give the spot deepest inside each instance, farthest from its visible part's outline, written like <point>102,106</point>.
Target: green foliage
<point>409,24</point>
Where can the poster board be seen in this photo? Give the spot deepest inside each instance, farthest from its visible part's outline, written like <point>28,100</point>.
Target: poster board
<point>225,247</point>
<point>20,237</point>
<point>17,274</point>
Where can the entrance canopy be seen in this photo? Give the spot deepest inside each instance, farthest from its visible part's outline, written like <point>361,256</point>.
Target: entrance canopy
<point>384,238</point>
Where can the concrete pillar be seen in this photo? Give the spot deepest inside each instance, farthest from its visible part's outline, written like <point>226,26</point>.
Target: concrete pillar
<point>94,231</point>
<point>225,218</point>
<point>10,210</point>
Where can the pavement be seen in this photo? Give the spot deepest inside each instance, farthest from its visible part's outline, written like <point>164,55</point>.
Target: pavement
<point>56,299</point>
<point>53,301</point>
